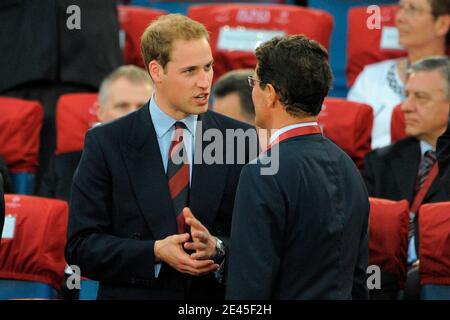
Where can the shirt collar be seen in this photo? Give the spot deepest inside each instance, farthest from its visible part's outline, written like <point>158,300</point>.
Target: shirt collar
<point>424,147</point>
<point>282,130</point>
<point>163,122</point>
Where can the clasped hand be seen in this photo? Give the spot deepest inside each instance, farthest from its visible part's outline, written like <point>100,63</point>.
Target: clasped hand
<point>170,249</point>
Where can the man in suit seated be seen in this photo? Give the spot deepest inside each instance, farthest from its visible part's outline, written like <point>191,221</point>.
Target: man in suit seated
<point>125,90</point>
<point>299,232</point>
<point>233,96</point>
<point>399,171</point>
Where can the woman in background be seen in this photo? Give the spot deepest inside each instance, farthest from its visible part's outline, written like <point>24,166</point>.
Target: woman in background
<point>423,27</point>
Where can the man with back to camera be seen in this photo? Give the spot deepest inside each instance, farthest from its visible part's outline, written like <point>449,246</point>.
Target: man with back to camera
<point>300,233</point>
<point>126,226</point>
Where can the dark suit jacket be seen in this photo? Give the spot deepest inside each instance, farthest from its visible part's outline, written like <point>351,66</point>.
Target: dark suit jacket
<point>57,180</point>
<point>301,233</point>
<point>37,45</point>
<point>120,204</point>
<point>443,154</point>
<point>391,172</point>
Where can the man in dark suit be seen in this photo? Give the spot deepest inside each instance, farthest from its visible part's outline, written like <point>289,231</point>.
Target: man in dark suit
<point>399,171</point>
<point>299,232</point>
<point>124,90</point>
<point>125,228</point>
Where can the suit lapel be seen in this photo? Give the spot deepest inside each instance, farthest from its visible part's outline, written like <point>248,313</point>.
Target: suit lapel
<point>147,176</point>
<point>208,181</point>
<point>405,166</point>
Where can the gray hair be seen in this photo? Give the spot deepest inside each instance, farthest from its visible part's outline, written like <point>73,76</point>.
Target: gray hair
<point>129,72</point>
<point>440,64</point>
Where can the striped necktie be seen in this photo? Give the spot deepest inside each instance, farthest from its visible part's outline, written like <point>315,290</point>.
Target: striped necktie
<point>178,175</point>
<point>425,167</point>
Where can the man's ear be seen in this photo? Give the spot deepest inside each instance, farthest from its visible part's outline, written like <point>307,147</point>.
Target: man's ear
<point>155,70</point>
<point>270,95</point>
<point>98,111</point>
<point>443,24</point>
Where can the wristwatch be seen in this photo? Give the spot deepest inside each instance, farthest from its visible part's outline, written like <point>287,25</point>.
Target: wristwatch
<point>220,250</point>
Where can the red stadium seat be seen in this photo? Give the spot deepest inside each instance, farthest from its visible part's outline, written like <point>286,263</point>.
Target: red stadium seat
<point>20,128</point>
<point>388,236</point>
<point>434,250</point>
<point>349,125</point>
<point>364,45</point>
<point>20,123</point>
<point>397,124</point>
<point>237,29</point>
<point>133,21</point>
<point>75,114</point>
<point>32,248</point>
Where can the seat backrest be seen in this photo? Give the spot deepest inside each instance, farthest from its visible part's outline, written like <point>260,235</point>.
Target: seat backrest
<point>434,244</point>
<point>349,125</point>
<point>397,124</point>
<point>133,20</point>
<point>366,45</point>
<point>388,236</point>
<point>237,29</point>
<point>33,240</point>
<point>20,128</point>
<point>75,114</point>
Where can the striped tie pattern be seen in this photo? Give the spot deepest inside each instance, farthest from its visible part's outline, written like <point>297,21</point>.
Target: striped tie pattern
<point>425,167</point>
<point>178,175</point>
<point>424,170</point>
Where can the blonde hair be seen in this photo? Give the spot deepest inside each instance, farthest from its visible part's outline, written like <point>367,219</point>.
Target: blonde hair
<point>158,37</point>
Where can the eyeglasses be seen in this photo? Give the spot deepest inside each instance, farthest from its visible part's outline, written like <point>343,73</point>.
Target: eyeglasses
<point>252,81</point>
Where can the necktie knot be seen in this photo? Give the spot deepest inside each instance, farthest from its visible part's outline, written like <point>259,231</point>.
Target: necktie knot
<point>429,157</point>
<point>180,125</point>
<point>178,135</point>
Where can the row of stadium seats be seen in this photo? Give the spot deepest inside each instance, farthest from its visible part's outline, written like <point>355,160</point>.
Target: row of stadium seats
<point>388,237</point>
<point>236,30</point>
<point>32,260</point>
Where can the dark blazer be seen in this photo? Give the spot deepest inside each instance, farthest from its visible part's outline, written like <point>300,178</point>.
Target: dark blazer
<point>120,204</point>
<point>301,233</point>
<point>37,45</point>
<point>391,172</point>
<point>58,177</point>
<point>443,155</point>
